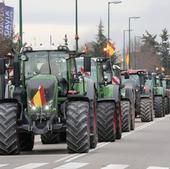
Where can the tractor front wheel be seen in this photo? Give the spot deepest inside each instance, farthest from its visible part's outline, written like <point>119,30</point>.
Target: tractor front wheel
<point>146,110</point>
<point>126,118</point>
<point>78,127</point>
<point>26,141</point>
<point>159,106</point>
<point>9,141</point>
<point>106,122</point>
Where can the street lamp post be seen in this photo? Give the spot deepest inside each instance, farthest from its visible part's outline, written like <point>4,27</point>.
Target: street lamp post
<point>76,35</point>
<point>114,2</point>
<point>20,24</point>
<point>130,38</point>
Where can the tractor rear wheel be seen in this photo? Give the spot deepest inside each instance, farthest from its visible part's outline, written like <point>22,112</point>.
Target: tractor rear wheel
<point>50,138</point>
<point>78,127</point>
<point>159,106</point>
<point>146,110</point>
<point>126,118</point>
<point>105,122</point>
<point>132,113</point>
<point>26,141</point>
<point>166,105</point>
<point>93,127</point>
<point>9,141</point>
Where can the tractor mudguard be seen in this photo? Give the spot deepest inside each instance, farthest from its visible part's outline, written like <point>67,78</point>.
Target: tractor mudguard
<point>116,93</point>
<point>78,98</point>
<point>90,89</point>
<point>145,96</point>
<point>107,100</point>
<point>125,99</point>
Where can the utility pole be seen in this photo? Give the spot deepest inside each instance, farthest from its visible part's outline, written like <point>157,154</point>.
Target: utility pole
<point>20,25</point>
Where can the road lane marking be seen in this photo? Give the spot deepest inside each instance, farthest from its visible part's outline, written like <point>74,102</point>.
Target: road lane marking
<point>153,167</point>
<point>72,165</point>
<point>115,166</point>
<point>31,166</point>
<point>81,155</point>
<point>65,158</point>
<point>3,165</point>
<point>123,136</point>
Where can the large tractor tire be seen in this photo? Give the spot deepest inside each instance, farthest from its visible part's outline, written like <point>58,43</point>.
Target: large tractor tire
<point>132,109</point>
<point>166,105</point>
<point>159,106</point>
<point>105,122</point>
<point>26,141</point>
<point>78,127</point>
<point>119,123</point>
<point>93,125</point>
<point>9,141</point>
<point>126,117</point>
<point>50,138</point>
<point>146,110</point>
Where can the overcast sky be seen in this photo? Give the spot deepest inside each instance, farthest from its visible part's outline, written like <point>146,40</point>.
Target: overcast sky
<point>57,17</point>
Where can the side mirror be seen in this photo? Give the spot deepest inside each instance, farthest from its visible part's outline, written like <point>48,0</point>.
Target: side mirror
<point>87,64</point>
<point>24,58</point>
<point>126,75</point>
<point>2,66</point>
<point>105,78</point>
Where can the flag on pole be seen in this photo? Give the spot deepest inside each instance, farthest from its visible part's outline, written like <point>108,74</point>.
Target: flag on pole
<point>39,98</point>
<point>127,57</point>
<point>110,48</point>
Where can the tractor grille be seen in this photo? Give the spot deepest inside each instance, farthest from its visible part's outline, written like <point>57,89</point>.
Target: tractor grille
<point>49,88</point>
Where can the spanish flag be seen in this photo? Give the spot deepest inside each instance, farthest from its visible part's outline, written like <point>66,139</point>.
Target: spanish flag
<point>39,98</point>
<point>110,48</point>
<point>127,57</point>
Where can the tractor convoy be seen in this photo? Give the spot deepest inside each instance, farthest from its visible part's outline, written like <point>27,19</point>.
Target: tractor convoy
<point>71,97</point>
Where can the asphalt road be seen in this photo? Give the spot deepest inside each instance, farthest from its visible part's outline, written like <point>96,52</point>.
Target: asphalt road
<point>148,147</point>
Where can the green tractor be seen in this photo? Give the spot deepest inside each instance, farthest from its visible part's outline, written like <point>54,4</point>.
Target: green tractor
<point>49,98</point>
<point>109,117</point>
<point>127,104</point>
<point>160,99</point>
<point>143,94</point>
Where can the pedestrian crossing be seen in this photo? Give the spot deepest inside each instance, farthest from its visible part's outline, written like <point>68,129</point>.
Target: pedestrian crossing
<point>74,165</point>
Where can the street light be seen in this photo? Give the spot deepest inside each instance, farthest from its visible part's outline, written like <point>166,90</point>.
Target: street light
<point>20,24</point>
<point>76,35</point>
<point>134,17</point>
<point>113,2</point>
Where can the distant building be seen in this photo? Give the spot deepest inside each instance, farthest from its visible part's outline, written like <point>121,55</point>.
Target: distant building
<point>6,20</point>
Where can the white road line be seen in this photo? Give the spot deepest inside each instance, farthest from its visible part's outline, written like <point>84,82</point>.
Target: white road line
<point>72,166</point>
<point>31,166</point>
<point>100,145</point>
<point>115,166</point>
<point>3,165</point>
<point>81,155</point>
<point>153,167</point>
<point>65,158</point>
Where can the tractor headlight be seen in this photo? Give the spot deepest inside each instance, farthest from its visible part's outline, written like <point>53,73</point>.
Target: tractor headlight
<point>31,106</point>
<point>49,105</point>
<point>80,79</point>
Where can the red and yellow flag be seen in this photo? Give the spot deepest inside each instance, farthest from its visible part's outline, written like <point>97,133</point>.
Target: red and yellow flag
<point>39,98</point>
<point>110,48</point>
<point>127,57</point>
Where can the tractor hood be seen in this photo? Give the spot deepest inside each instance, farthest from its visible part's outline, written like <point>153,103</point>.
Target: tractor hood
<point>47,82</point>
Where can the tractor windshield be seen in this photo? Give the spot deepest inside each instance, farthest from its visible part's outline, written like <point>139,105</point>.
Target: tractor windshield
<point>46,62</point>
<point>132,77</point>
